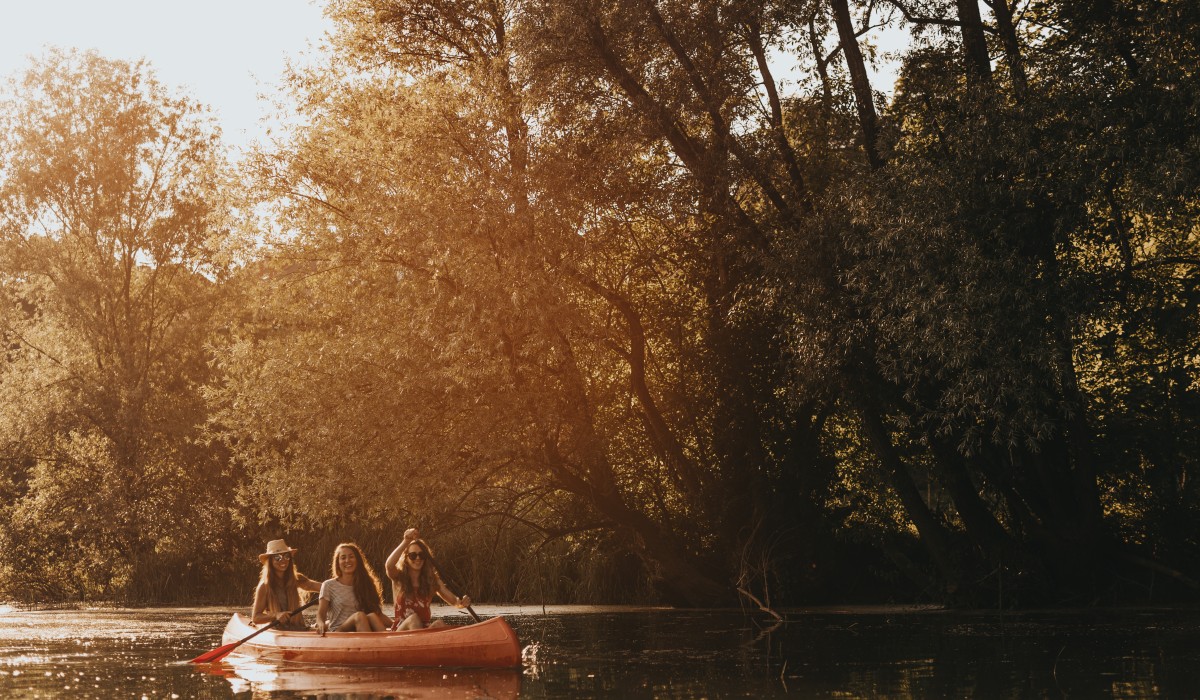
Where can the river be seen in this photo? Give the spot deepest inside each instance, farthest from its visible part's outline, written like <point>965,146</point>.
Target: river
<point>614,652</point>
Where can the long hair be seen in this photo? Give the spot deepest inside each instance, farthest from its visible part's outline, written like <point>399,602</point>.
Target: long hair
<point>367,587</point>
<point>425,579</point>
<point>290,578</point>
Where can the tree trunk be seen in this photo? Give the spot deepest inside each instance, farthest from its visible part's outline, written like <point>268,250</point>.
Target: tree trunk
<point>932,534</point>
<point>778,130</point>
<point>1012,47</point>
<point>980,523</point>
<point>974,43</point>
<point>864,99</point>
<point>667,560</point>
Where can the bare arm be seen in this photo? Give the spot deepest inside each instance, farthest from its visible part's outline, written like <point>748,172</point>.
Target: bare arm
<point>322,611</point>
<point>307,583</point>
<point>392,565</point>
<point>447,595</point>
<point>259,614</point>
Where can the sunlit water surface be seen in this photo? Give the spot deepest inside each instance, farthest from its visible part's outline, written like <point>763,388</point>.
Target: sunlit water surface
<point>593,652</point>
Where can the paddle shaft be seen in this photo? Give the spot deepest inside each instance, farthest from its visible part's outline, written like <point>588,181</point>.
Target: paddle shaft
<point>223,651</point>
<point>431,560</point>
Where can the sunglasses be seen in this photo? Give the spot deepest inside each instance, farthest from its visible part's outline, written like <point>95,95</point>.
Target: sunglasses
<point>280,557</point>
<point>415,556</point>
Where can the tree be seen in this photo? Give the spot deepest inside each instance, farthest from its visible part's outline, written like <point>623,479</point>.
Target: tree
<point>986,307</point>
<point>110,189</point>
<point>593,319</point>
<point>583,266</point>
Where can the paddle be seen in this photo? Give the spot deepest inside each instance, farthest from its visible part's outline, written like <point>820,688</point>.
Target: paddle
<point>429,558</point>
<point>223,650</point>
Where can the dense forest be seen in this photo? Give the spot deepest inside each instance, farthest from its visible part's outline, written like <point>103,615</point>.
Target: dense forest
<point>621,301</point>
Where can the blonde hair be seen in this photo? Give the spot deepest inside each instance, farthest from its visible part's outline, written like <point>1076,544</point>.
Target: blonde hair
<point>291,583</point>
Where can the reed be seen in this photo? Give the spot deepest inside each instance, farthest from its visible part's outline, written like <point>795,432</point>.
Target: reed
<point>492,561</point>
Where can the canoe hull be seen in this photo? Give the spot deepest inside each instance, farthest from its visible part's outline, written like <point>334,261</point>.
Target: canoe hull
<point>488,644</point>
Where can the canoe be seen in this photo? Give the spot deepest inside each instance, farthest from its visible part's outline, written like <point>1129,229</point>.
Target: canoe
<point>488,644</point>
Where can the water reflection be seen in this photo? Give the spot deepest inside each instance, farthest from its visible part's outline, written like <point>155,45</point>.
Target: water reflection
<point>248,675</point>
<point>575,652</point>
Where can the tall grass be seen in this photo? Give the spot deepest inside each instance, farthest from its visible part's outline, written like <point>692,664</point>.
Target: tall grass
<point>497,564</point>
<point>488,560</point>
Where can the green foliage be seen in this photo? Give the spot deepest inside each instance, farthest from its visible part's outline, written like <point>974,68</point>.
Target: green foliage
<point>561,262</point>
<point>574,287</point>
<point>108,194</point>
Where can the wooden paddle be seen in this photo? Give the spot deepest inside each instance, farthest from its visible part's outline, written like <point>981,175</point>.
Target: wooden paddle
<point>223,650</point>
<point>431,560</point>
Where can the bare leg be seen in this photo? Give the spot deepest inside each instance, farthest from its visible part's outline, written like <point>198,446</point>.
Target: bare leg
<point>378,622</point>
<point>412,622</point>
<point>355,623</point>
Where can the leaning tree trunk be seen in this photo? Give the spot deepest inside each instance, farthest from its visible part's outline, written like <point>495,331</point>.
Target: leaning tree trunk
<point>864,99</point>
<point>931,532</point>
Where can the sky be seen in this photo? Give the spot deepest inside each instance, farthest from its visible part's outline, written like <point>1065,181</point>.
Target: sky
<point>223,53</point>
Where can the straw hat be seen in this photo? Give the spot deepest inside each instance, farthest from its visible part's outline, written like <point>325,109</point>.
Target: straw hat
<point>276,547</point>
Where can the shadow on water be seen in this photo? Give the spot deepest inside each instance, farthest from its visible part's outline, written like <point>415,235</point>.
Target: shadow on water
<point>586,652</point>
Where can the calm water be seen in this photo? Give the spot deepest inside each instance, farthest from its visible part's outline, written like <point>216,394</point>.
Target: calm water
<point>589,652</point>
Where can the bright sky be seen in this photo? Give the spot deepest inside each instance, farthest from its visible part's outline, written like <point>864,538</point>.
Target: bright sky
<point>223,53</point>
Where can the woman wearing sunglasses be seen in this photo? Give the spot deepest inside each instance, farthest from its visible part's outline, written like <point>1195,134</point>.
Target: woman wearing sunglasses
<point>279,588</point>
<point>414,582</point>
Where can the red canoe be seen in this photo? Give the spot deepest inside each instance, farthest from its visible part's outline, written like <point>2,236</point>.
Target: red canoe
<point>488,644</point>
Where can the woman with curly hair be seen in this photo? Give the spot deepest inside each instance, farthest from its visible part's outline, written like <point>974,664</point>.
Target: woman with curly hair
<point>414,582</point>
<point>350,601</point>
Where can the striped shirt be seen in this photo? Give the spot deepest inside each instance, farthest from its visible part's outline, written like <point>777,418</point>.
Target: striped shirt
<point>342,602</point>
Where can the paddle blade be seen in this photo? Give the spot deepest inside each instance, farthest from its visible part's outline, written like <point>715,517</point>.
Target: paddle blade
<point>216,654</point>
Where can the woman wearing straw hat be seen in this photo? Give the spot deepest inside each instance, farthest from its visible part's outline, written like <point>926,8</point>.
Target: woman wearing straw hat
<point>279,587</point>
